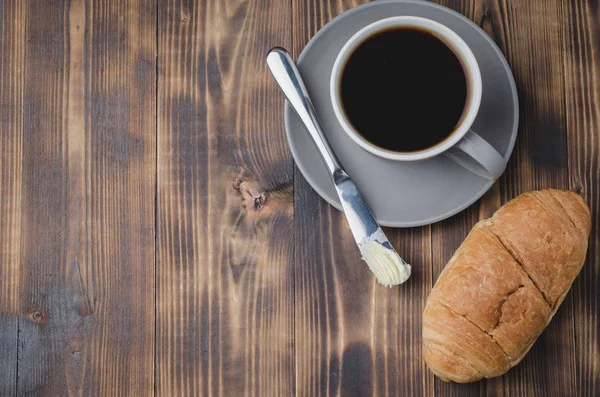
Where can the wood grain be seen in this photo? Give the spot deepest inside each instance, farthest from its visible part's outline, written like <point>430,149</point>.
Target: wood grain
<point>12,70</point>
<point>582,101</point>
<point>225,215</point>
<point>87,259</point>
<point>538,161</point>
<point>147,195</point>
<point>446,236</point>
<point>354,337</point>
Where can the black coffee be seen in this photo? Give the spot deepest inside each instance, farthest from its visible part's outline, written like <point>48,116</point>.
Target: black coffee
<point>403,90</point>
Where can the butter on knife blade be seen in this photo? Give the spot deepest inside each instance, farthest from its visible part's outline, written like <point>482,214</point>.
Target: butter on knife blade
<point>384,262</point>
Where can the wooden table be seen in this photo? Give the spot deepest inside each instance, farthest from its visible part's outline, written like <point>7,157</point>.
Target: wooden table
<point>156,238</point>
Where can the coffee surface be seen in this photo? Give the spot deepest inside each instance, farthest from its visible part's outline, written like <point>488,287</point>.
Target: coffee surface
<point>403,90</point>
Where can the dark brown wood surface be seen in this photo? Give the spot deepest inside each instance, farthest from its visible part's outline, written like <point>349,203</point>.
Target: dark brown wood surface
<point>156,238</point>
<point>78,197</point>
<point>225,275</point>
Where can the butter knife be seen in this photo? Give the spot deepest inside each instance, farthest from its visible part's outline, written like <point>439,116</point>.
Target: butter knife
<point>376,250</point>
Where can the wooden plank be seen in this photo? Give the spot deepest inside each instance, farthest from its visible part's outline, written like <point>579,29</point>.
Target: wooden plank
<point>447,235</point>
<point>539,161</point>
<point>12,68</point>
<point>582,83</point>
<point>87,257</point>
<point>354,337</point>
<point>225,238</point>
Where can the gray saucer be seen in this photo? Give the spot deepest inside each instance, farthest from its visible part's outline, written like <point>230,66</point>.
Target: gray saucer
<point>402,194</point>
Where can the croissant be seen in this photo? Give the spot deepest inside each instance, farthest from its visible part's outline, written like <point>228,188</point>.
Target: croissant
<point>503,285</point>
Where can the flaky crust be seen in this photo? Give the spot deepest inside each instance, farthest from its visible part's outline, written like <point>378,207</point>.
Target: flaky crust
<point>504,284</point>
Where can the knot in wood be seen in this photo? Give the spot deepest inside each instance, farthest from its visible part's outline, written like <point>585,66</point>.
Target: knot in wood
<point>37,316</point>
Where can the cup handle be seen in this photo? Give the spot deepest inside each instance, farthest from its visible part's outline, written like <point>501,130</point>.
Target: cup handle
<point>475,154</point>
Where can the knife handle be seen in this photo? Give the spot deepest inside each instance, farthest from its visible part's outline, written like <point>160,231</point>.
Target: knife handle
<point>288,77</point>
